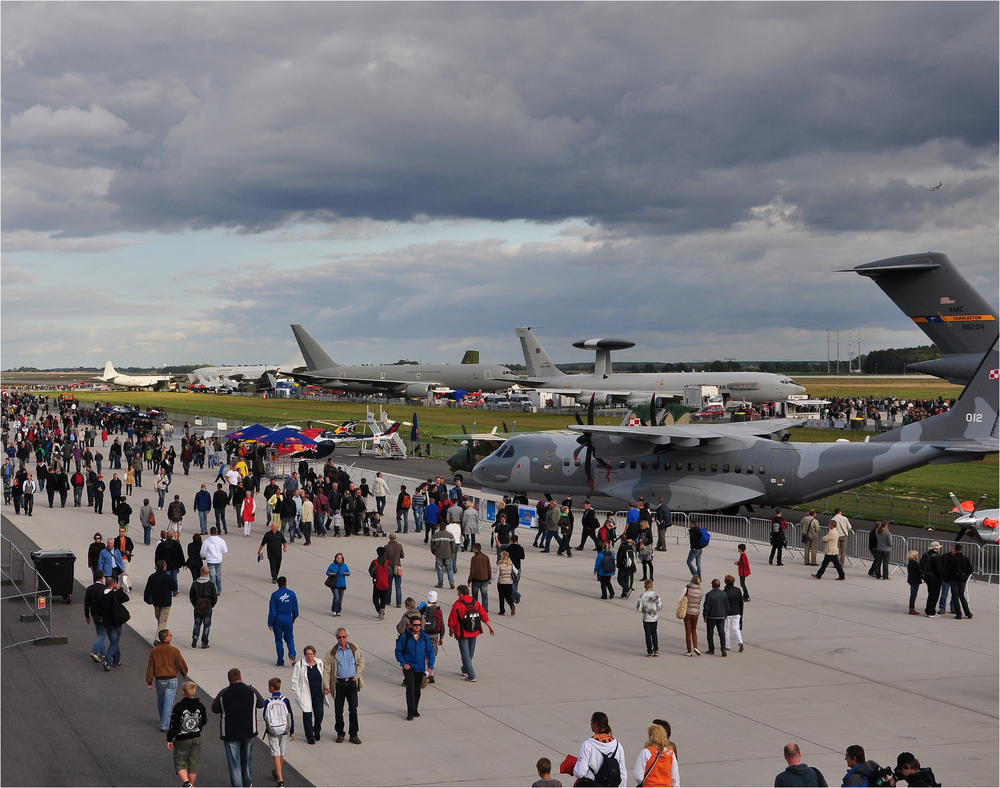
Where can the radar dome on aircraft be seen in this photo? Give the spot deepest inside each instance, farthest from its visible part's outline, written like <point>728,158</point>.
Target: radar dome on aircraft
<point>604,344</point>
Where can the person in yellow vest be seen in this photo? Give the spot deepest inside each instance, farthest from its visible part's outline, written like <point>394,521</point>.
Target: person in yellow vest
<point>657,761</point>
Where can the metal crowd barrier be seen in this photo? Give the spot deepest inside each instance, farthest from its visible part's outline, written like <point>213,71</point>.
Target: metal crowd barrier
<point>25,587</point>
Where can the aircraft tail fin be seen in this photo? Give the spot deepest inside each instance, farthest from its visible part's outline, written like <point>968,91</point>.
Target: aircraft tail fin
<point>471,357</point>
<point>971,424</point>
<point>294,364</point>
<point>929,289</point>
<point>109,372</point>
<point>535,359</point>
<point>314,356</point>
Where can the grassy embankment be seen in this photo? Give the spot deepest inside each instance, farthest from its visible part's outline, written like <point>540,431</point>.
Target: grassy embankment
<point>931,483</point>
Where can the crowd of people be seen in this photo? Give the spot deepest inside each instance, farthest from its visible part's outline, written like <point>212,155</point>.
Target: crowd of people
<point>61,441</point>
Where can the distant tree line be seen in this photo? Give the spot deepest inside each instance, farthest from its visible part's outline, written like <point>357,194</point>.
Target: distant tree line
<point>893,361</point>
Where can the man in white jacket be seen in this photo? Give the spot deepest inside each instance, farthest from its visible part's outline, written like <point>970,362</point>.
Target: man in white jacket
<point>212,550</point>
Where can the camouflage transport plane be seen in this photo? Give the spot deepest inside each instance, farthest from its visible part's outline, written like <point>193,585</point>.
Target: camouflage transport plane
<point>720,467</point>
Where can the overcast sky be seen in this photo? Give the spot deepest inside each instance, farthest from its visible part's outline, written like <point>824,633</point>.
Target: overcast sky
<point>181,181</point>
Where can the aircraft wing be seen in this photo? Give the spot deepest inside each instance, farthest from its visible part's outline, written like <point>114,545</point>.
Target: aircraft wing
<point>479,437</point>
<point>692,435</point>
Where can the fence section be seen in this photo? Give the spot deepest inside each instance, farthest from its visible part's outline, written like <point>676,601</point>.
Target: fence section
<point>28,594</point>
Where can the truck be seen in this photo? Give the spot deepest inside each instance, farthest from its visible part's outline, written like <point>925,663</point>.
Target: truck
<point>697,396</point>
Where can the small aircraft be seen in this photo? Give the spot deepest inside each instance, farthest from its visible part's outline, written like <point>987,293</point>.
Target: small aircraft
<point>935,188</point>
<point>415,381</point>
<point>720,467</point>
<point>606,386</point>
<point>477,445</point>
<point>929,289</point>
<point>115,378</point>
<point>980,524</point>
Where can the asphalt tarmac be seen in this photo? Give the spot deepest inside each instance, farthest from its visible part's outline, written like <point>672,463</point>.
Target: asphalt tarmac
<point>827,665</point>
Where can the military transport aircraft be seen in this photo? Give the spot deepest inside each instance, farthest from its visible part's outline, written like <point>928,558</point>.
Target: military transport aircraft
<point>114,378</point>
<point>476,445</point>
<point>606,387</point>
<point>214,378</point>
<point>415,381</point>
<point>935,296</point>
<point>720,467</point>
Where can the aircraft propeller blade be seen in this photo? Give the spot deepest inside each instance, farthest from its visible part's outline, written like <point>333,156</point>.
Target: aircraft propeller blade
<point>505,426</point>
<point>590,410</point>
<point>652,410</point>
<point>579,421</point>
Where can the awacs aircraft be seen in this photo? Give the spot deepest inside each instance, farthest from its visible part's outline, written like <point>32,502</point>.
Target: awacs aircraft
<point>407,380</point>
<point>608,387</point>
<point>114,378</point>
<point>935,296</point>
<point>980,524</point>
<point>720,467</point>
<point>213,378</point>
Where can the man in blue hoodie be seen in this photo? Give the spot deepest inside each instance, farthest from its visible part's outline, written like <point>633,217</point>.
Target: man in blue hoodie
<point>203,505</point>
<point>797,773</point>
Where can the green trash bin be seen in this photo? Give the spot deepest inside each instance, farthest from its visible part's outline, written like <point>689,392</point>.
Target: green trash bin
<point>56,568</point>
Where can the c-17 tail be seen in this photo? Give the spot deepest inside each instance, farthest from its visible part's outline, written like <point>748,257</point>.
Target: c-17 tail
<point>929,289</point>
<point>314,355</point>
<point>535,359</point>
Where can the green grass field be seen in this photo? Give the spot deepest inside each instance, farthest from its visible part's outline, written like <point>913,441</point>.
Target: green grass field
<point>931,483</point>
<point>904,387</point>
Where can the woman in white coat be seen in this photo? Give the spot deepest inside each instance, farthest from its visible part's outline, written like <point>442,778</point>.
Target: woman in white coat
<point>307,686</point>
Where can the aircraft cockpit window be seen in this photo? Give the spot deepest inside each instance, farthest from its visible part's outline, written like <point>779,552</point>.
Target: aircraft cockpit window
<point>506,452</point>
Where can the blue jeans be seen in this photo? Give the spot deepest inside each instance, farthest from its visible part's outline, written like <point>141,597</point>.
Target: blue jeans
<point>480,592</point>
<point>162,494</point>
<point>442,564</point>
<point>283,631</point>
<point>338,600</point>
<point>99,647</point>
<point>147,535</point>
<point>397,581</point>
<point>239,757</point>
<point>694,562</point>
<point>204,625</point>
<point>220,520</point>
<point>404,515</point>
<point>166,689</point>
<point>549,536</point>
<point>467,650</point>
<point>203,521</point>
<point>173,574</point>
<point>215,576</point>
<point>114,654</point>
<point>514,592</point>
<point>418,520</point>
<point>943,599</point>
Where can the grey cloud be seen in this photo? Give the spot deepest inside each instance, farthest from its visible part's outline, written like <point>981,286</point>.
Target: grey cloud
<point>674,117</point>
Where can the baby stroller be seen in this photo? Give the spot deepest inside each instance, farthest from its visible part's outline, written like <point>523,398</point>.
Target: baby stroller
<point>373,524</point>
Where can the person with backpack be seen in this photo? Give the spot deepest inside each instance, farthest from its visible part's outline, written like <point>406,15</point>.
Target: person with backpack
<point>657,761</point>
<point>810,538</point>
<point>604,569</point>
<point>778,542</point>
<point>697,543</point>
<point>380,570</point>
<point>403,505</point>
<point>433,620</point>
<point>187,720</point>
<point>602,757</point>
<point>859,770</point>
<point>415,655</point>
<point>203,596</point>
<point>465,623</point>
<point>279,727</point>
<point>626,567</point>
<point>175,514</point>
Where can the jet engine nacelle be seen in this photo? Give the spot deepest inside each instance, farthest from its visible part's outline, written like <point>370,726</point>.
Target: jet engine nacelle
<point>418,390</point>
<point>600,398</point>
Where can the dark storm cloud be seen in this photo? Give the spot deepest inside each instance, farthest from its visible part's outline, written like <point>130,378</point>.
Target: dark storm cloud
<point>673,118</point>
